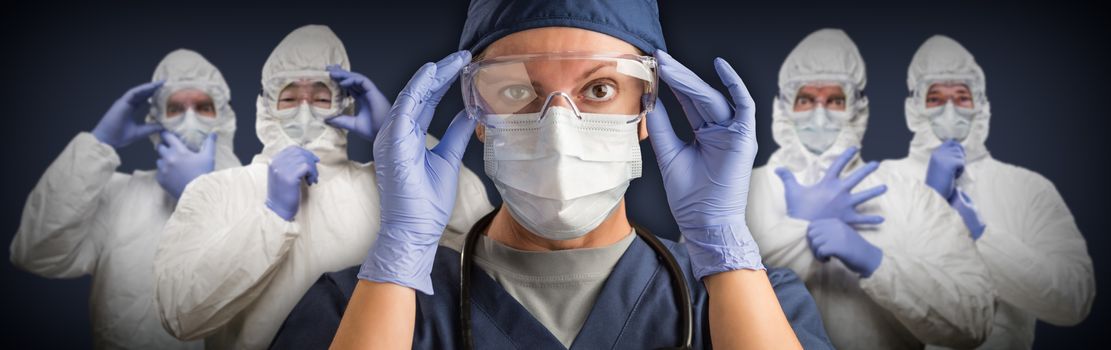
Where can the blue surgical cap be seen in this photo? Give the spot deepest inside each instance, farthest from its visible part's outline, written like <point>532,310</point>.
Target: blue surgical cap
<point>634,21</point>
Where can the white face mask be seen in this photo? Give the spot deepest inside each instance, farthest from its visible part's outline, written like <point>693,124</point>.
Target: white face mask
<point>818,128</point>
<point>304,123</point>
<point>950,122</point>
<point>190,128</point>
<point>561,176</point>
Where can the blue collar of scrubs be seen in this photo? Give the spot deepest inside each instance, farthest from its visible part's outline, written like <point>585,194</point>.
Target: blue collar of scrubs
<point>682,297</point>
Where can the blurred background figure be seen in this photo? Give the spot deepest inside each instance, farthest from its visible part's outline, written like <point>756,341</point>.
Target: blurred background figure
<point>83,217</point>
<point>1025,233</point>
<point>906,273</point>
<point>245,244</point>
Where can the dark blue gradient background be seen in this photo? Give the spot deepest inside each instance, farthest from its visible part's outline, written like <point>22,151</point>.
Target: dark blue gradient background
<point>1047,70</point>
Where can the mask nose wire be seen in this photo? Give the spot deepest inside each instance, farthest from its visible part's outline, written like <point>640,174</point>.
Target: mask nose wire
<point>304,112</point>
<point>821,117</point>
<point>949,112</point>
<point>548,103</point>
<point>189,115</point>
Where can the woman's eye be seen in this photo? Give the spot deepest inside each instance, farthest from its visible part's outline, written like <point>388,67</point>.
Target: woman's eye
<point>323,100</point>
<point>517,93</point>
<point>601,92</point>
<point>288,99</point>
<point>803,101</point>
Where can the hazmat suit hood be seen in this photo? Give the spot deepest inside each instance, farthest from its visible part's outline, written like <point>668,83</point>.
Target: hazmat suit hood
<point>305,52</point>
<point>183,69</point>
<point>941,59</point>
<point>827,55</point>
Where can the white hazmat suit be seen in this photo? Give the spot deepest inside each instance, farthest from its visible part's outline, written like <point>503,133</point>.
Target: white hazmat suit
<point>1038,260</point>
<point>229,269</point>
<point>83,217</point>
<point>930,285</point>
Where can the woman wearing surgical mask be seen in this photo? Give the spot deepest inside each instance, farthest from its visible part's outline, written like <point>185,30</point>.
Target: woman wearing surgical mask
<point>561,107</point>
<point>84,218</point>
<point>245,244</point>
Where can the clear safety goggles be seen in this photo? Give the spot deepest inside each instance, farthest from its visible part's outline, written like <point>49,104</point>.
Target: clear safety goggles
<point>790,96</point>
<point>161,109</point>
<point>834,110</point>
<point>524,87</point>
<point>921,93</point>
<point>339,99</point>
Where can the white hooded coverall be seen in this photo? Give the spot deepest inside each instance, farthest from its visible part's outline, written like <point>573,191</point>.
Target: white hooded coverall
<point>930,286</point>
<point>229,269</point>
<point>1038,260</point>
<point>83,217</point>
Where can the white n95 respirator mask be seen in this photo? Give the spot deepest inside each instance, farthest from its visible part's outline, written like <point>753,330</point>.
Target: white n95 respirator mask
<point>561,174</point>
<point>818,128</point>
<point>304,123</point>
<point>191,128</point>
<point>950,122</point>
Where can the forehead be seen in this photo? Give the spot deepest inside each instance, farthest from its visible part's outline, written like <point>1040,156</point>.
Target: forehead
<point>948,87</point>
<point>557,39</point>
<point>822,89</point>
<point>540,67</point>
<point>305,86</point>
<point>188,94</point>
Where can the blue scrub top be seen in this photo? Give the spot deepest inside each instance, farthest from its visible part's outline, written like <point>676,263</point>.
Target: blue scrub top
<point>635,309</point>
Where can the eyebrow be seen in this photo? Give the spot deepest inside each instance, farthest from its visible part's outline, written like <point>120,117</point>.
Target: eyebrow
<point>593,70</point>
<point>537,86</point>
<point>957,91</point>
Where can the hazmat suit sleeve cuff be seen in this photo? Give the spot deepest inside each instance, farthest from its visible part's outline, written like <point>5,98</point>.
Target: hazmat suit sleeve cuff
<point>401,257</point>
<point>89,146</point>
<point>275,223</point>
<point>286,216</point>
<point>721,248</point>
<point>882,279</point>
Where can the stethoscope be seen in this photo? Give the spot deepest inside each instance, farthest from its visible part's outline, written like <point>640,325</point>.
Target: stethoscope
<point>682,299</point>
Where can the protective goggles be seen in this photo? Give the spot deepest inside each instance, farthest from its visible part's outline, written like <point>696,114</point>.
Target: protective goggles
<point>921,92</point>
<point>837,110</point>
<point>525,86</point>
<point>165,114</point>
<point>339,99</point>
